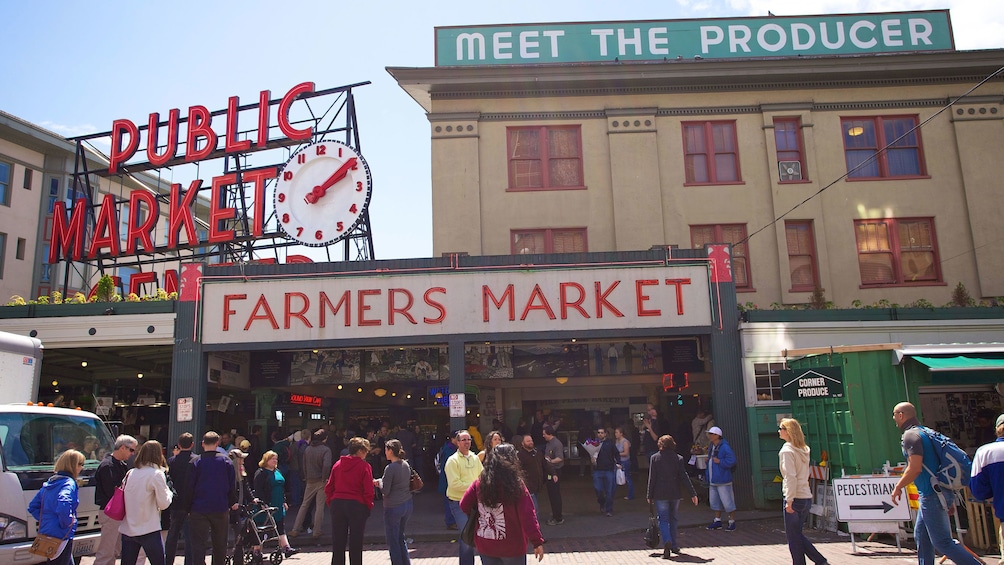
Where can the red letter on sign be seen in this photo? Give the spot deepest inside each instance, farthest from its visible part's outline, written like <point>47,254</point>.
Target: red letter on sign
<point>287,129</point>
<point>139,279</point>
<point>68,237</point>
<point>393,309</point>
<point>536,295</point>
<point>230,143</point>
<point>679,292</point>
<point>227,312</point>
<point>486,295</point>
<point>171,281</point>
<point>218,212</point>
<point>141,231</point>
<point>118,153</point>
<point>363,307</point>
<point>438,306</point>
<point>259,177</point>
<point>565,304</point>
<point>601,299</point>
<point>262,304</point>
<point>171,148</point>
<point>199,125</point>
<point>106,229</point>
<point>641,297</point>
<point>181,213</point>
<point>298,314</point>
<point>345,302</point>
<point>263,107</point>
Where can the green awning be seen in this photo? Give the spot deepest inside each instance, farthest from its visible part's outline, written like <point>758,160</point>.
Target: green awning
<point>960,363</point>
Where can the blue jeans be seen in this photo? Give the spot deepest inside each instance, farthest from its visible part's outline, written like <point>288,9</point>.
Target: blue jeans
<point>151,543</point>
<point>466,551</point>
<point>394,521</point>
<point>799,546</point>
<point>604,484</point>
<point>933,531</point>
<point>669,513</point>
<point>626,465</point>
<point>721,498</point>
<point>448,512</point>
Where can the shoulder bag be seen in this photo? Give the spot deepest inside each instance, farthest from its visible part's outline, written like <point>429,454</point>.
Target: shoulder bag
<point>652,534</point>
<point>44,545</point>
<point>115,509</point>
<point>415,484</point>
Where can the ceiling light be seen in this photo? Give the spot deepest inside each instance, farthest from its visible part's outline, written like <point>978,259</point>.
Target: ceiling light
<point>55,383</point>
<point>314,350</point>
<point>83,363</point>
<point>561,380</point>
<point>339,387</point>
<point>139,375</point>
<point>380,392</point>
<point>422,399</point>
<point>855,131</point>
<point>409,397</point>
<point>393,394</point>
<point>439,395</point>
<point>360,389</point>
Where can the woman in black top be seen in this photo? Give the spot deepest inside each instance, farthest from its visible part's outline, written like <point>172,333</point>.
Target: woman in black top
<point>666,474</point>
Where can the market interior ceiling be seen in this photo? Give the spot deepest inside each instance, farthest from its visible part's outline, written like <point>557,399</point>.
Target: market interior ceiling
<point>109,367</point>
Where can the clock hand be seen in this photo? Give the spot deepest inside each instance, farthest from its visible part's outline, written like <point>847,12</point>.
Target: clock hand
<point>320,190</point>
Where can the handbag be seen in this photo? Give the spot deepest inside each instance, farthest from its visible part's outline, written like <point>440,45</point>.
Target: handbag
<point>652,536</point>
<point>415,484</point>
<point>621,477</point>
<point>44,545</point>
<point>467,534</point>
<point>115,509</point>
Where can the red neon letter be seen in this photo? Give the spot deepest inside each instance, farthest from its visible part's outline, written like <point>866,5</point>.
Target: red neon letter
<point>641,297</point>
<point>486,295</point>
<point>218,212</point>
<point>262,304</point>
<point>298,314</point>
<point>392,309</point>
<point>259,177</point>
<point>68,237</point>
<point>139,279</point>
<point>227,311</point>
<point>264,106</point>
<point>363,307</point>
<point>106,229</point>
<point>199,125</point>
<point>565,304</point>
<point>679,292</point>
<point>171,148</point>
<point>438,306</point>
<point>181,213</point>
<point>141,231</point>
<point>326,305</point>
<point>119,154</point>
<point>287,129</point>
<point>230,143</point>
<point>171,281</point>
<point>601,299</point>
<point>535,295</point>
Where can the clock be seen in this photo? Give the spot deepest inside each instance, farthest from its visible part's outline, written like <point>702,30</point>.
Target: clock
<point>322,193</point>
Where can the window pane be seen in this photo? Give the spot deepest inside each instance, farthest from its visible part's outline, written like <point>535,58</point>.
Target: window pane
<point>801,270</point>
<point>873,237</point>
<point>569,241</point>
<point>739,271</point>
<point>798,238</point>
<point>5,169</point>
<point>725,167</point>
<point>876,268</point>
<point>526,174</point>
<point>859,134</point>
<point>856,158</point>
<point>564,172</point>
<point>564,142</point>
<point>894,128</point>
<point>917,266</point>
<point>524,143</point>
<point>697,168</point>
<point>903,162</point>
<point>723,138</point>
<point>701,235</point>
<point>785,136</point>
<point>694,139</point>
<point>528,242</point>
<point>915,235</point>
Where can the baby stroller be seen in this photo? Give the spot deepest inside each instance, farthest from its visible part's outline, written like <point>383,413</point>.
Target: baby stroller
<point>256,528</point>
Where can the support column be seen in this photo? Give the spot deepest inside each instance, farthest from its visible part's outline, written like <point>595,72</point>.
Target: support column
<point>189,366</point>
<point>457,379</point>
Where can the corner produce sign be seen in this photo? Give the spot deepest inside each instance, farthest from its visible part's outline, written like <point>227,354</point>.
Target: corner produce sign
<point>815,383</point>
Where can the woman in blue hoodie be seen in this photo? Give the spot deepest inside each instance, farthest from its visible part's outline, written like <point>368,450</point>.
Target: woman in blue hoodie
<point>55,504</point>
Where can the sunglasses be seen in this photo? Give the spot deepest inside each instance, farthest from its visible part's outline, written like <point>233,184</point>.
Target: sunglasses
<point>131,449</point>
<point>780,428</point>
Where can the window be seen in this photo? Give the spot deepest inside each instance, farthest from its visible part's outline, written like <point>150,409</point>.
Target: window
<point>566,240</point>
<point>802,264</point>
<point>3,252</point>
<point>897,251</point>
<point>53,194</point>
<point>46,266</point>
<point>546,157</point>
<point>6,170</point>
<point>768,380</point>
<point>27,178</point>
<point>124,222</point>
<point>865,137</point>
<point>19,252</point>
<point>711,155</point>
<point>790,155</point>
<point>727,233</point>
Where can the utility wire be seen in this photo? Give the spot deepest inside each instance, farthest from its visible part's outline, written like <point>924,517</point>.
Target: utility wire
<point>875,156</point>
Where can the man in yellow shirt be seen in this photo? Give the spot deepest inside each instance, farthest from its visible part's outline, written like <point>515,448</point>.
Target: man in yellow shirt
<point>461,469</point>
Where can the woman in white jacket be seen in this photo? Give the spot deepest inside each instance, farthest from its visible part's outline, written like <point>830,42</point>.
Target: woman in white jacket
<point>794,458</point>
<point>146,494</point>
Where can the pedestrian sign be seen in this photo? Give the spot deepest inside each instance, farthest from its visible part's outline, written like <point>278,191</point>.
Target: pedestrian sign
<point>869,498</point>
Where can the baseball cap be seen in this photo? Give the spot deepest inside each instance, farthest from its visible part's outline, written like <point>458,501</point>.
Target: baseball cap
<point>716,430</point>
<point>237,453</point>
<point>245,445</point>
<point>1000,420</point>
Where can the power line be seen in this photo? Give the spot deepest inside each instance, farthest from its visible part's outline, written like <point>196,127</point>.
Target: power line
<point>867,161</point>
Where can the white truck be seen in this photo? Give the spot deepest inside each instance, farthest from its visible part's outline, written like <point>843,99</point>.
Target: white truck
<point>31,438</point>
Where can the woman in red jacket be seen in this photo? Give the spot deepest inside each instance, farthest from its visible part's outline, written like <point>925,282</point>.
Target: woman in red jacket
<point>349,492</point>
<point>506,519</point>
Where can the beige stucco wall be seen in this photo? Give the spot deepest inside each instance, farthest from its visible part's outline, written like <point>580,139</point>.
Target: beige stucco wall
<point>20,219</point>
<point>635,195</point>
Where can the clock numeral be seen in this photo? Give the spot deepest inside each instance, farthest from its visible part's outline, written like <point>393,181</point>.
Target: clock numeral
<point>359,186</point>
<point>355,166</point>
<point>321,149</point>
<point>318,235</point>
<point>301,158</point>
<point>281,197</point>
<point>287,175</point>
<point>285,218</point>
<point>299,231</point>
<point>339,152</point>
<point>353,209</point>
<point>341,226</point>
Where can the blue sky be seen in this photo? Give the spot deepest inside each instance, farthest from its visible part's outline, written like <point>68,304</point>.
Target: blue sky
<point>74,67</point>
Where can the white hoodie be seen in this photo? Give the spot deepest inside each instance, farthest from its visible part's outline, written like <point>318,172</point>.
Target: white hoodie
<point>146,494</point>
<point>795,472</point>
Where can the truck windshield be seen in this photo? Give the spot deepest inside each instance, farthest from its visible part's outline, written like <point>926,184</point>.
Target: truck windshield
<point>32,441</point>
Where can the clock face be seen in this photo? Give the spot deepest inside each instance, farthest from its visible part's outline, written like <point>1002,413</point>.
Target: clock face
<point>322,193</point>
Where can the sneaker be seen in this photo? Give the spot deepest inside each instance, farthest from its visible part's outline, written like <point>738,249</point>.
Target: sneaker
<point>292,533</point>
<point>553,522</point>
<point>716,525</point>
<point>290,551</point>
<point>451,526</point>
<point>731,527</point>
<point>675,550</point>
<point>610,514</point>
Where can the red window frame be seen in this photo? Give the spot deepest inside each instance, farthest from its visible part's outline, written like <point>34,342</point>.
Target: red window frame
<point>551,238</point>
<point>884,260</point>
<point>544,159</point>
<point>866,136</point>
<point>710,149</point>
<point>789,146</point>
<point>801,254</point>
<point>719,233</point>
